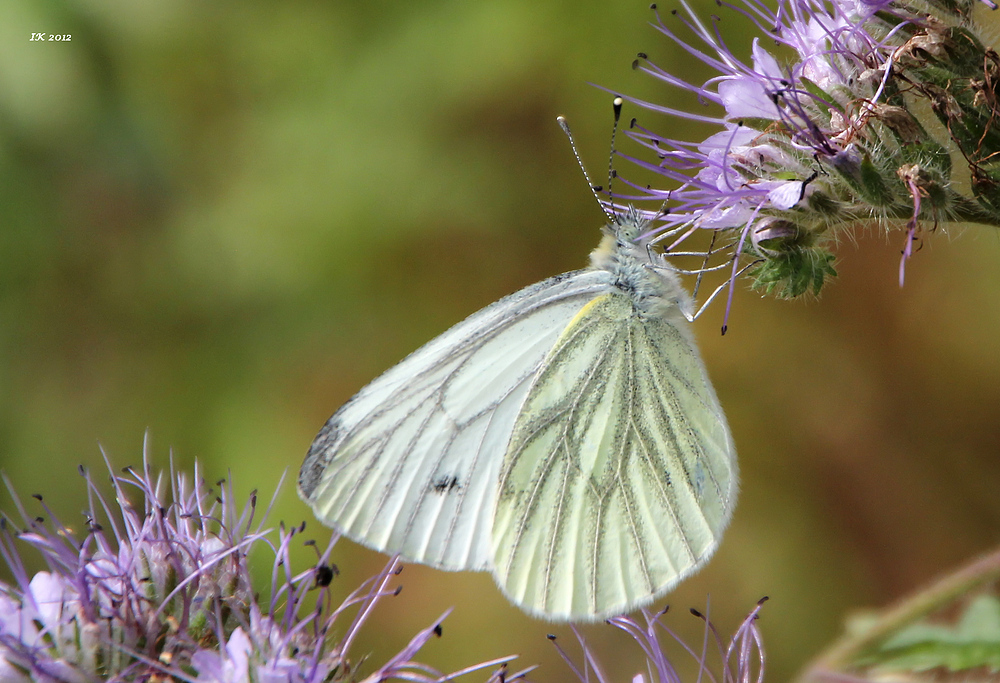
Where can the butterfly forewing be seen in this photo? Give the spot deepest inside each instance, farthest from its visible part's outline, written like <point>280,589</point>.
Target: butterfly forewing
<point>410,465</point>
<point>620,474</point>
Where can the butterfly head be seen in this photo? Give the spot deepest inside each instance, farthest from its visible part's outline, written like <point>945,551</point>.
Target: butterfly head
<point>637,269</point>
<point>630,225</point>
<point>626,239</point>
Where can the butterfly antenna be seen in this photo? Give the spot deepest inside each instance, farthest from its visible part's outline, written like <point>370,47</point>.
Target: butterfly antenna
<point>595,189</point>
<point>612,173</point>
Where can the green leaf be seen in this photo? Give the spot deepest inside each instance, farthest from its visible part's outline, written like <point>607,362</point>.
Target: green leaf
<point>973,642</point>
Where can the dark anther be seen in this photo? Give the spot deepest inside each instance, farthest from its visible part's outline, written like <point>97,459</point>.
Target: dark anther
<point>324,575</point>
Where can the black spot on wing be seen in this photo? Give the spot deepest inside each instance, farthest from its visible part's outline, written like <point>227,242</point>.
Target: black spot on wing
<point>445,484</point>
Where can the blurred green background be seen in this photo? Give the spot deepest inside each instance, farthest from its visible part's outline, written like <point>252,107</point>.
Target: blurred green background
<point>219,220</point>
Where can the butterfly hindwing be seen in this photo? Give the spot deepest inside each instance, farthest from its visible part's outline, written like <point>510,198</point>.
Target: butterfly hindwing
<point>410,464</point>
<point>620,475</point>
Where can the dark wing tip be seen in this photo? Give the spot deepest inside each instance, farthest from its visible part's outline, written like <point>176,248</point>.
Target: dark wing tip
<point>318,458</point>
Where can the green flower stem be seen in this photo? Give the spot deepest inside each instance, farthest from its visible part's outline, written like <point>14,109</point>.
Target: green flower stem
<point>843,653</point>
<point>961,209</point>
<point>973,213</point>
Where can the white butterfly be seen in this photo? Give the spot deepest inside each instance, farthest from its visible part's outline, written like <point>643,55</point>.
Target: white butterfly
<point>565,438</point>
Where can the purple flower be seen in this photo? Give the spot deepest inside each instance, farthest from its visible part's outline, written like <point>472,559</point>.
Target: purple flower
<point>741,658</point>
<point>160,589</point>
<point>837,136</point>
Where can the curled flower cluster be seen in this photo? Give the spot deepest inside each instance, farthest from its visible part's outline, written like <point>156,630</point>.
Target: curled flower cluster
<point>857,128</point>
<point>162,591</point>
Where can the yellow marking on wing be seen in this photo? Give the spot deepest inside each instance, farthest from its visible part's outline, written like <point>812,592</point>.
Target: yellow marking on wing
<point>582,313</point>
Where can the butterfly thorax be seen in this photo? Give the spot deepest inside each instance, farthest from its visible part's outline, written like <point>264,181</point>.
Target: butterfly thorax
<point>639,272</point>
